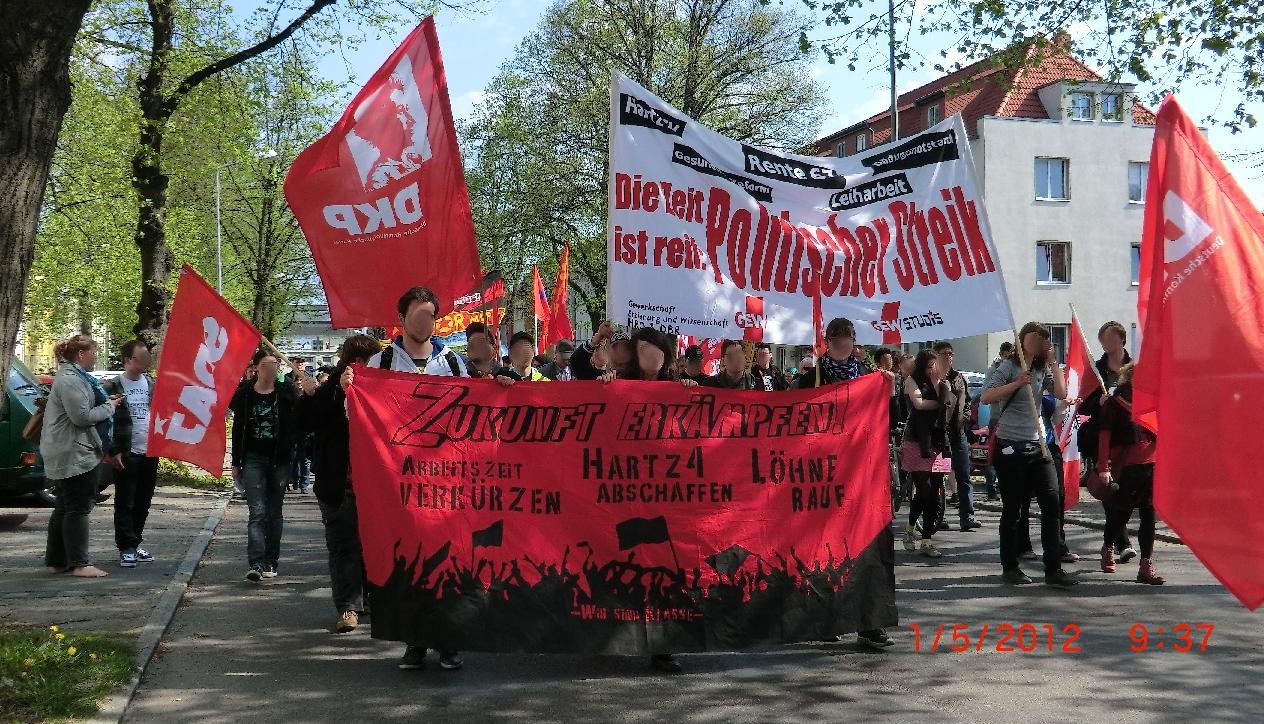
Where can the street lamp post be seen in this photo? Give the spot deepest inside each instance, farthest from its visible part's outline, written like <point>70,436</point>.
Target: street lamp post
<point>219,226</point>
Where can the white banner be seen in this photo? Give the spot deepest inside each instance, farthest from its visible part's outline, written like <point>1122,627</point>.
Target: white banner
<point>714,238</point>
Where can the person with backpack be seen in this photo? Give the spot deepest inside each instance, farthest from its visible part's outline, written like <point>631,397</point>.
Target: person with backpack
<point>1126,464</point>
<point>521,355</point>
<point>1023,466</point>
<point>1114,340</point>
<point>416,351</point>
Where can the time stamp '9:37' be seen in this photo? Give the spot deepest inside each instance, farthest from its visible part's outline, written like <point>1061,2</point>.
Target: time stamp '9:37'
<point>1032,637</point>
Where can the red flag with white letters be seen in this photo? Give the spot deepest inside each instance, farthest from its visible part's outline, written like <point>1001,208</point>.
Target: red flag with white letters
<point>1198,377</point>
<point>382,199</point>
<point>207,346</point>
<point>1081,381</point>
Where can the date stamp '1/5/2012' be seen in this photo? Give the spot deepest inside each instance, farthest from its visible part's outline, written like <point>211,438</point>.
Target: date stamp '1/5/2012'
<point>1047,637</point>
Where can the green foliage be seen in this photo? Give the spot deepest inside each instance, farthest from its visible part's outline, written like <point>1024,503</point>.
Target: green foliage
<point>46,673</point>
<point>174,472</point>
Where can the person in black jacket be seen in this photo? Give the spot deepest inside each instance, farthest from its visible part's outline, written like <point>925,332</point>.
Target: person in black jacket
<point>1114,340</point>
<point>768,377</point>
<point>618,349</point>
<point>322,410</point>
<point>732,374</point>
<point>264,431</point>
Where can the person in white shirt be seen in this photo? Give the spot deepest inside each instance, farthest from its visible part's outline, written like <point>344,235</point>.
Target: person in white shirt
<point>135,472</point>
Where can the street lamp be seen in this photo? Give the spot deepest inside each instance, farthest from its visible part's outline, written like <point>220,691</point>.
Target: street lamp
<point>219,228</point>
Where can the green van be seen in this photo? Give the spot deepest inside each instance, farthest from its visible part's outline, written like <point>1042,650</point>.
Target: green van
<point>21,469</point>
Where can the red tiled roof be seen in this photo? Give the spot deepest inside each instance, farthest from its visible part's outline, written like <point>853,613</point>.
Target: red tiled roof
<point>984,88</point>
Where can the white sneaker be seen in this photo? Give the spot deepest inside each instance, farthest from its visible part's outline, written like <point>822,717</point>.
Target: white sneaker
<point>127,559</point>
<point>929,550</point>
<point>144,556</point>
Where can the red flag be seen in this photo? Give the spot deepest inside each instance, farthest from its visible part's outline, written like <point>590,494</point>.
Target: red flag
<point>559,319</point>
<point>207,346</point>
<point>381,198</point>
<point>1081,381</point>
<point>819,345</point>
<point>541,311</point>
<point>1197,384</point>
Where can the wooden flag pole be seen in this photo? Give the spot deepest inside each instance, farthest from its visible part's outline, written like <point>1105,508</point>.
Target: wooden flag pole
<point>1031,396</point>
<point>272,348</point>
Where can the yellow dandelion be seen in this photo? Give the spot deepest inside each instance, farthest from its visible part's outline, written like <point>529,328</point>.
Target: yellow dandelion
<point>61,637</point>
<point>29,662</point>
<point>92,656</point>
<point>72,650</point>
<point>54,629</point>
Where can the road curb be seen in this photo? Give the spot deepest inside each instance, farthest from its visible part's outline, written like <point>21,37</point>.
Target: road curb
<point>115,706</point>
<point>1073,519</point>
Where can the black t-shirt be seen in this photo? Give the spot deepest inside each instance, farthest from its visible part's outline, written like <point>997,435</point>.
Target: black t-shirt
<point>263,422</point>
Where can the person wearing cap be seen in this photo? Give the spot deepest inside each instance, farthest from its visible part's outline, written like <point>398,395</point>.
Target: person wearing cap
<point>618,352</point>
<point>693,364</point>
<point>559,369</point>
<point>521,355</point>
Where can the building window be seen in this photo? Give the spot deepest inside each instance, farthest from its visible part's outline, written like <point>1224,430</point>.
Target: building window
<point>1051,179</point>
<point>862,142</point>
<point>841,149</point>
<point>1081,106</point>
<point>1112,108</point>
<point>1136,264</point>
<point>1138,173</point>
<point>1053,262</point>
<point>1058,336</point>
<point>932,116</point>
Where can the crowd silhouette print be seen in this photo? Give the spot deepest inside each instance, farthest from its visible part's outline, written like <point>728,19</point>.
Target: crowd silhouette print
<point>625,605</point>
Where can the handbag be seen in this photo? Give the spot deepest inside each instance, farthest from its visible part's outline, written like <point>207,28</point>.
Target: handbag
<point>35,426</point>
<point>1096,486</point>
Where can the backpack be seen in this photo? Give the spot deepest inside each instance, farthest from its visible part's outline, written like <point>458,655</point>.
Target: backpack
<point>388,359</point>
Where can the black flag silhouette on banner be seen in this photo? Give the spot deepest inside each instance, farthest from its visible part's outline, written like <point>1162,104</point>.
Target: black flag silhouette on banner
<point>727,561</point>
<point>491,536</point>
<point>635,531</point>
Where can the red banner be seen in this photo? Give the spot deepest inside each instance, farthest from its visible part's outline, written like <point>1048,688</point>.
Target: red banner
<point>1197,382</point>
<point>382,198</point>
<point>559,318</point>
<point>628,519</point>
<point>1081,381</point>
<point>207,346</point>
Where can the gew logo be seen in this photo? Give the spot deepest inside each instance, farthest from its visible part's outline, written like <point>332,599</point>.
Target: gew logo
<point>753,320</point>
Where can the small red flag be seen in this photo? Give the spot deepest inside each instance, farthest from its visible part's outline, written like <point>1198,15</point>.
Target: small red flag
<point>559,318</point>
<point>382,199</point>
<point>1081,381</point>
<point>1197,381</point>
<point>542,312</point>
<point>207,346</point>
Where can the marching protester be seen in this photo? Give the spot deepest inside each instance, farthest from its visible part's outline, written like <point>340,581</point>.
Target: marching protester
<point>959,422</point>
<point>559,368</point>
<point>692,361</point>
<point>1114,340</point>
<point>323,413</point>
<point>927,449</point>
<point>264,431</point>
<point>480,351</point>
<point>768,377</point>
<point>418,352</point>
<point>733,374</point>
<point>521,354</point>
<point>609,349</point>
<point>1126,464</point>
<point>135,473</point>
<point>839,364</point>
<point>651,360</point>
<point>1049,408</point>
<point>1022,466</point>
<point>77,434</point>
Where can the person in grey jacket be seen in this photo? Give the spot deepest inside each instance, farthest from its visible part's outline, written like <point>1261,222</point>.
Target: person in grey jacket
<point>76,435</point>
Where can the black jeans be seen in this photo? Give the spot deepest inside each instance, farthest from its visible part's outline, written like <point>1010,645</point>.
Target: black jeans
<point>133,493</point>
<point>68,527</point>
<point>926,501</point>
<point>346,561</point>
<point>1024,536</point>
<point>1136,490</point>
<point>1021,477</point>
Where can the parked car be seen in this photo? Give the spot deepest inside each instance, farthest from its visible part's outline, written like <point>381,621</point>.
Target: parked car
<point>21,469</point>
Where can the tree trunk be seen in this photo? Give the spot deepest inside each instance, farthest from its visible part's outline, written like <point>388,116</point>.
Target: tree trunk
<point>35,52</point>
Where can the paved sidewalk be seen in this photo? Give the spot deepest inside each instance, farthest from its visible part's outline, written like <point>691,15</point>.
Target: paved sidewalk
<point>240,652</point>
<point>120,603</point>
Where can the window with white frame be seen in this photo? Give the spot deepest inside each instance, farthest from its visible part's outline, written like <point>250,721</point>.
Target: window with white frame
<point>1081,106</point>
<point>862,142</point>
<point>1136,264</point>
<point>841,149</point>
<point>1112,107</point>
<point>932,116</point>
<point>1051,179</point>
<point>1058,336</point>
<point>1138,174</point>
<point>1053,262</point>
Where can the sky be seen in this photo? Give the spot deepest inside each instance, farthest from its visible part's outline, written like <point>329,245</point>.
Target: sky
<point>474,44</point>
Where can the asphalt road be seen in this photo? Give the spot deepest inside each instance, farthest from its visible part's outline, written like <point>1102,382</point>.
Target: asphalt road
<point>239,652</point>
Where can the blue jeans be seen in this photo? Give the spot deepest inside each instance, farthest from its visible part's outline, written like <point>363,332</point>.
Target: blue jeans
<point>989,477</point>
<point>264,482</point>
<point>961,469</point>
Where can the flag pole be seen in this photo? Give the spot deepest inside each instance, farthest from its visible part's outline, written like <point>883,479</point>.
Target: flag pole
<point>1031,397</point>
<point>1075,322</point>
<point>272,349</point>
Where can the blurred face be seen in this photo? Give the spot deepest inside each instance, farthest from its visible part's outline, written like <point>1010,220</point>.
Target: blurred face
<point>601,357</point>
<point>933,370</point>
<point>140,361</point>
<point>621,353</point>
<point>886,363</point>
<point>807,364</point>
<point>840,348</point>
<point>763,358</point>
<point>649,358</point>
<point>693,368</point>
<point>268,368</point>
<point>906,366</point>
<point>945,359</point>
<point>521,353</point>
<point>479,347</point>
<point>87,358</point>
<point>735,360</point>
<point>1112,341</point>
<point>419,322</point>
<point>1035,346</point>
